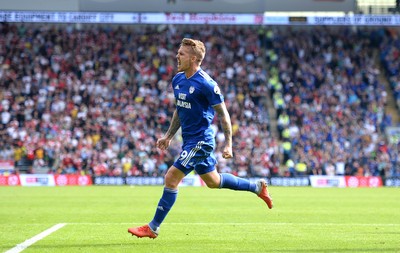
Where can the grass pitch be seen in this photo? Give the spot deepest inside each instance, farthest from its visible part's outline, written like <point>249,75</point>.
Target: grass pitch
<point>304,219</point>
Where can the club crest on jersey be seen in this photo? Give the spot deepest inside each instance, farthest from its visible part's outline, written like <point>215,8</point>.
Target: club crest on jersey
<point>217,90</point>
<point>191,89</point>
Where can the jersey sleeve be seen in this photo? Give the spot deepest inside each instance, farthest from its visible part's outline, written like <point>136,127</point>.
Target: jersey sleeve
<point>213,93</point>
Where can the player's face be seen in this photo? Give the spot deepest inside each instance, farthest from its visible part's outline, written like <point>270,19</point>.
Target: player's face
<point>183,58</point>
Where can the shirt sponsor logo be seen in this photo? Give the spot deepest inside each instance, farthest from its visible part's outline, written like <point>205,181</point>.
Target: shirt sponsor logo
<point>184,104</point>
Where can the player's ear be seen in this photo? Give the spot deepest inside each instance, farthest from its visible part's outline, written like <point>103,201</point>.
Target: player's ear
<point>194,58</point>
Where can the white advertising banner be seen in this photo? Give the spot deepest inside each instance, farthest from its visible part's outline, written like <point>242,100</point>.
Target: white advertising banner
<point>201,18</point>
<point>192,180</point>
<point>37,180</point>
<point>365,20</point>
<point>327,181</point>
<point>68,17</point>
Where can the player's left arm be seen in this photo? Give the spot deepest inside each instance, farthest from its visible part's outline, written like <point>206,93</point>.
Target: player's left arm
<point>225,121</point>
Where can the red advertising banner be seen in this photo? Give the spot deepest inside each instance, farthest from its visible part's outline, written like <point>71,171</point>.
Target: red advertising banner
<point>352,181</point>
<point>63,180</point>
<point>11,180</point>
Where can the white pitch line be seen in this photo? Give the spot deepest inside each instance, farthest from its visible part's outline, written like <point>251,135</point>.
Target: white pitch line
<point>20,247</point>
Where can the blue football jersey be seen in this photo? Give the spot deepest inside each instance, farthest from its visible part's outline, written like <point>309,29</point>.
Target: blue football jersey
<point>195,97</point>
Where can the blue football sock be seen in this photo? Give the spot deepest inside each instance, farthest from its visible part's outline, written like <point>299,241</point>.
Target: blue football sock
<point>236,183</point>
<point>164,205</point>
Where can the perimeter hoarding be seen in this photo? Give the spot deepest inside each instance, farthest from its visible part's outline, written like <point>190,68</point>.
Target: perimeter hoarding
<point>45,180</point>
<point>345,181</point>
<point>191,180</point>
<point>194,18</point>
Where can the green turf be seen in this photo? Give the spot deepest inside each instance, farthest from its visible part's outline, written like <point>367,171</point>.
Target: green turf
<point>202,220</point>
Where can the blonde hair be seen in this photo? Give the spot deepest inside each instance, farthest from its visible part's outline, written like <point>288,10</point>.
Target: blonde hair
<point>198,48</point>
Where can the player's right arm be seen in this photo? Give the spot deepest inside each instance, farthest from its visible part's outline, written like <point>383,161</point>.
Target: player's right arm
<point>164,142</point>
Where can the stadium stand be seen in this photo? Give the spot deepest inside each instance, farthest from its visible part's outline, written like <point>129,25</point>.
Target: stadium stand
<point>333,101</point>
<point>95,100</point>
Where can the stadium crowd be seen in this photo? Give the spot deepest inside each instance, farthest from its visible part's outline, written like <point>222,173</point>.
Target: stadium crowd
<point>94,100</point>
<point>330,103</point>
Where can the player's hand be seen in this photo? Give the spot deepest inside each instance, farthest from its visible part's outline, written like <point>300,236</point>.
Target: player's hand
<point>227,153</point>
<point>163,143</point>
